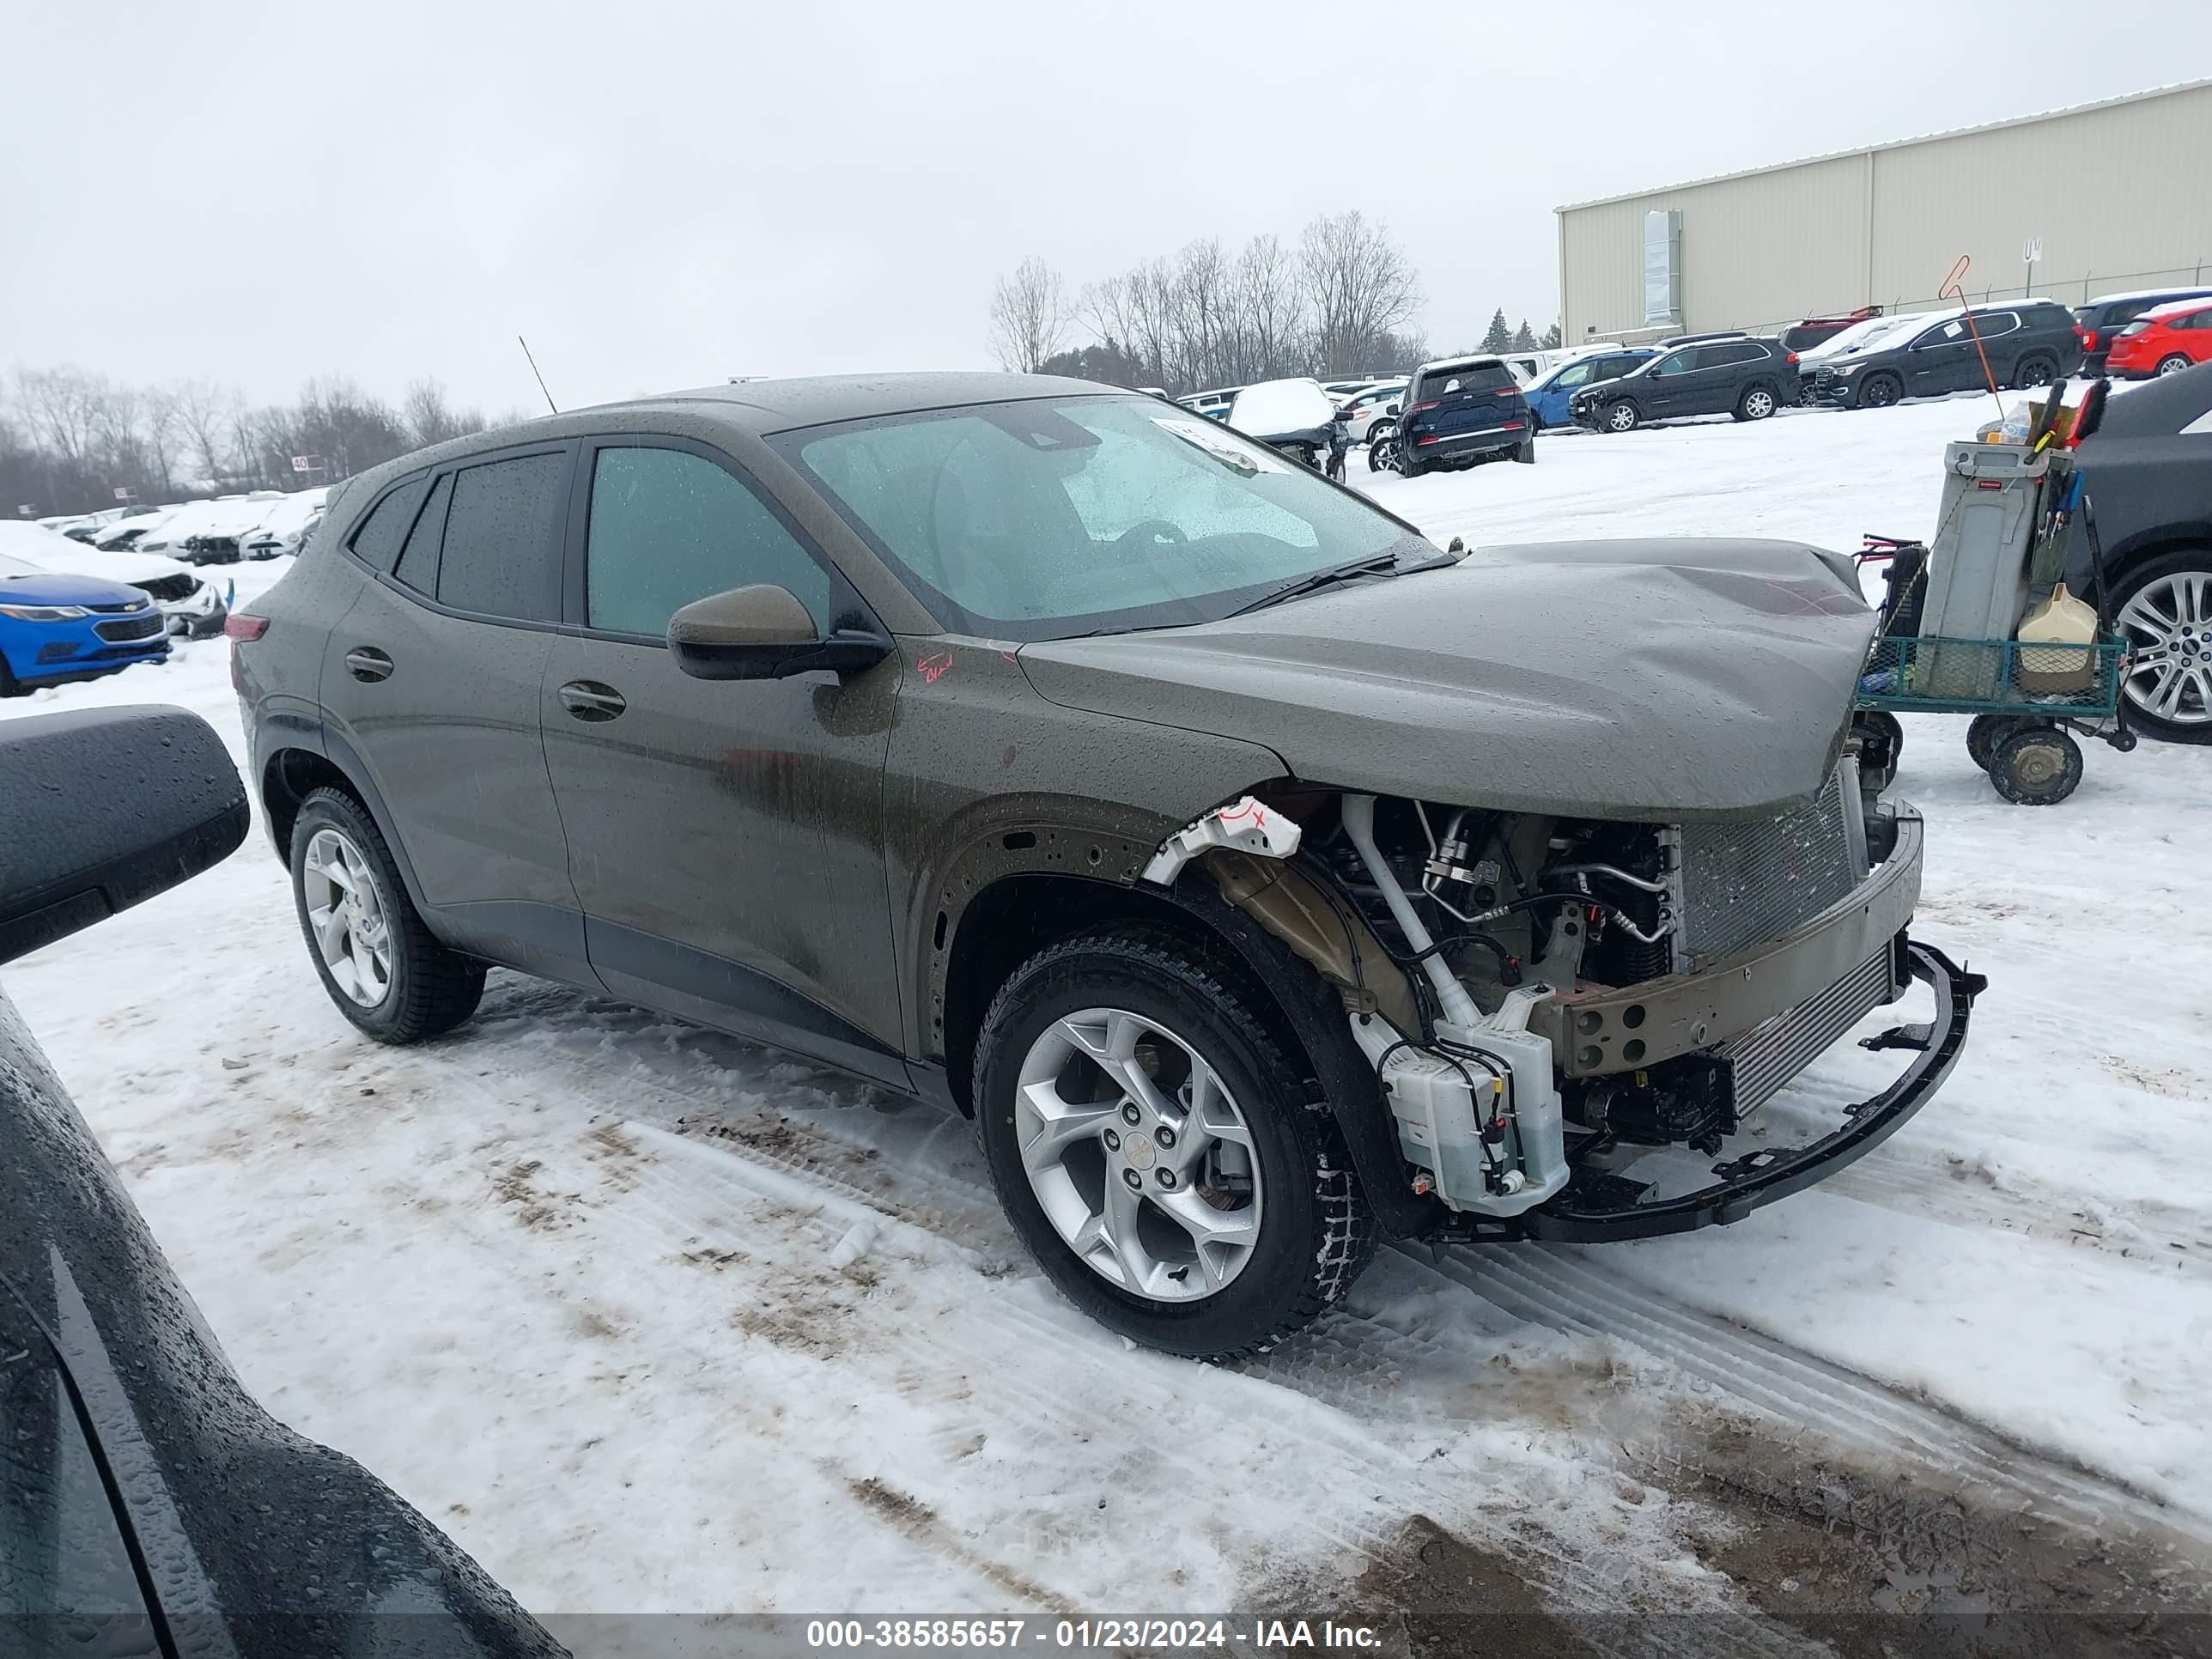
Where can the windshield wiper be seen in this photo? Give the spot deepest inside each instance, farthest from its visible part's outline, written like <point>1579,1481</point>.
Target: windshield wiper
<point>1374,564</point>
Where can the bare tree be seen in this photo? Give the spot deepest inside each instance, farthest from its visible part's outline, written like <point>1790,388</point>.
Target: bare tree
<point>1029,316</point>
<point>1273,311</point>
<point>206,417</point>
<point>61,407</point>
<point>1360,285</point>
<point>429,420</point>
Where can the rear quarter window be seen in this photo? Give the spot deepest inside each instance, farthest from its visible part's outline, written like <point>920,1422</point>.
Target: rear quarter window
<point>376,543</point>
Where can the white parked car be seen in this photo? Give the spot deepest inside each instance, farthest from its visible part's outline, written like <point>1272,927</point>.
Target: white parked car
<point>288,523</point>
<point>191,605</point>
<point>1363,409</point>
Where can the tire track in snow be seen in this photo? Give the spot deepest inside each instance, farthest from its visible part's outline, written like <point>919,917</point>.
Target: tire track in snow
<point>680,1202</point>
<point>1559,1288</point>
<point>1813,1412</point>
<point>2154,1238</point>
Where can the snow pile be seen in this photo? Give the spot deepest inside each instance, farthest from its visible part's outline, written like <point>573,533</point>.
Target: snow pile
<point>1274,407</point>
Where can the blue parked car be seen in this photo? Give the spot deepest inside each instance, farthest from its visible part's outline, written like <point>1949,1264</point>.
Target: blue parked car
<point>55,629</point>
<point>1547,398</point>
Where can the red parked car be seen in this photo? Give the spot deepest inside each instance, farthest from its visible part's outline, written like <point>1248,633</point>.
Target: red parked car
<point>2164,341</point>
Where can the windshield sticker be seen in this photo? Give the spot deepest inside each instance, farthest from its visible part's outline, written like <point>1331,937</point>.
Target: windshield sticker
<point>1225,446</point>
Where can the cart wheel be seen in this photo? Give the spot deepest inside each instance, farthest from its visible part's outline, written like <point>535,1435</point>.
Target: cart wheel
<point>2037,767</point>
<point>1987,732</point>
<point>2124,740</point>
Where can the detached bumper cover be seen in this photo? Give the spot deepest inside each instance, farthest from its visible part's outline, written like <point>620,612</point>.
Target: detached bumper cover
<point>1596,1207</point>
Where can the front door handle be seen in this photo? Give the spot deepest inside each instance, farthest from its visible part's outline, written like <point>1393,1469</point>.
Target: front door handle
<point>588,700</point>
<point>366,662</point>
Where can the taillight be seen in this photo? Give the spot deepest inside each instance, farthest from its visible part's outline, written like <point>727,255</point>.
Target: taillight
<point>1432,403</point>
<point>239,626</point>
<point>1793,356</point>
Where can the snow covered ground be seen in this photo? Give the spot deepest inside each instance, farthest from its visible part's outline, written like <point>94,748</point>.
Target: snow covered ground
<point>651,1320</point>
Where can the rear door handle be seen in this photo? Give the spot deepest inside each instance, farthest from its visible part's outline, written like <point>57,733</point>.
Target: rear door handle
<point>588,700</point>
<point>366,662</point>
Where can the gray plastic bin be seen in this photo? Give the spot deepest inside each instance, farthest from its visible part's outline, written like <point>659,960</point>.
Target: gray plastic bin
<point>1978,574</point>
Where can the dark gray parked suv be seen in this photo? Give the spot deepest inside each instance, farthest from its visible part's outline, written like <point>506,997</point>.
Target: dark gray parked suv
<point>1745,376</point>
<point>2027,344</point>
<point>1264,881</point>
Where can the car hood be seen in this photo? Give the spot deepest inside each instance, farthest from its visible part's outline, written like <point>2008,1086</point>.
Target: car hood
<point>55,588</point>
<point>1659,680</point>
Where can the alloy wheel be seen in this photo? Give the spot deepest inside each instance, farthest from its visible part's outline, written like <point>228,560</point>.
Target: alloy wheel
<point>2168,623</point>
<point>2173,365</point>
<point>347,913</point>
<point>1138,1155</point>
<point>1758,405</point>
<point>1621,417</point>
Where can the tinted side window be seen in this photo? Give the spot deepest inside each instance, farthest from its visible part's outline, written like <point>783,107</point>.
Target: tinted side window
<point>1676,362</point>
<point>1725,357</point>
<point>1996,323</point>
<point>503,539</point>
<point>377,542</point>
<point>418,560</point>
<point>669,528</point>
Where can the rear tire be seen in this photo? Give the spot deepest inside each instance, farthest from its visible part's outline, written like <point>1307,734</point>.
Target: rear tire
<point>1525,452</point>
<point>1756,403</point>
<point>375,956</point>
<point>2039,368</point>
<point>1986,732</point>
<point>1110,1206</point>
<point>2173,364</point>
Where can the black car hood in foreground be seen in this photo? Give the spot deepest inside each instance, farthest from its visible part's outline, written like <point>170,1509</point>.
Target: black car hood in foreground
<point>259,1543</point>
<point>1657,680</point>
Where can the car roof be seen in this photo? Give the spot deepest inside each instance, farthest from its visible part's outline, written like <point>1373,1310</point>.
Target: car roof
<point>1445,365</point>
<point>2179,308</point>
<point>767,406</point>
<point>2180,291</point>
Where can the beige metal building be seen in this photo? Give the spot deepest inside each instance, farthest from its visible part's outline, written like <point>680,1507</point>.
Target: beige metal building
<point>2106,196</point>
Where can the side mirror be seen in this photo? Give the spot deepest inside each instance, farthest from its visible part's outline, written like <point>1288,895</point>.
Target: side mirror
<point>764,633</point>
<point>1390,409</point>
<point>104,807</point>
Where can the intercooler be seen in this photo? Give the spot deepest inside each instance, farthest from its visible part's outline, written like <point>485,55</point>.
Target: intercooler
<point>1738,884</point>
<point>1760,1061</point>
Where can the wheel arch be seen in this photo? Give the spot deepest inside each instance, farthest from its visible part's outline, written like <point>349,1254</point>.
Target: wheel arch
<point>1010,918</point>
<point>291,773</point>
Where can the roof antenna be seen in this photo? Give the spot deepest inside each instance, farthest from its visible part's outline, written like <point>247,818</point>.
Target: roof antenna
<point>525,345</point>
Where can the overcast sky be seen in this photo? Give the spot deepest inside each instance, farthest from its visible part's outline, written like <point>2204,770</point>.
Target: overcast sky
<point>667,195</point>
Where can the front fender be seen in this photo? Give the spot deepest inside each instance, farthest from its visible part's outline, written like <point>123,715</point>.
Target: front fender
<point>986,779</point>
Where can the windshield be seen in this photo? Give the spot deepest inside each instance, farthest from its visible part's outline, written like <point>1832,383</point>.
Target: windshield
<point>1045,519</point>
<point>11,568</point>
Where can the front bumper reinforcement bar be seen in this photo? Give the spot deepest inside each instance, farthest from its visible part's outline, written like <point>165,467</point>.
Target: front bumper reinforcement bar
<point>1595,1207</point>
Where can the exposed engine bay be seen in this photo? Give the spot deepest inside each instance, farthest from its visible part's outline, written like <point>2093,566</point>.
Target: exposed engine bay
<point>1542,995</point>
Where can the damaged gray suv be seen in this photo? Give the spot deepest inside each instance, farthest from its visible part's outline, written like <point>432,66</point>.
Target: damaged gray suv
<point>1266,882</point>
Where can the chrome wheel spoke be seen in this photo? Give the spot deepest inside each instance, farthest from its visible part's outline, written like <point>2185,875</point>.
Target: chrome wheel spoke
<point>1138,1154</point>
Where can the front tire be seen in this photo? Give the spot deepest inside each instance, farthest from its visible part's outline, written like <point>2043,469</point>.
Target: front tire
<point>377,960</point>
<point>2036,766</point>
<point>1622,417</point>
<point>1878,391</point>
<point>2164,611</point>
<point>1156,1150</point>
